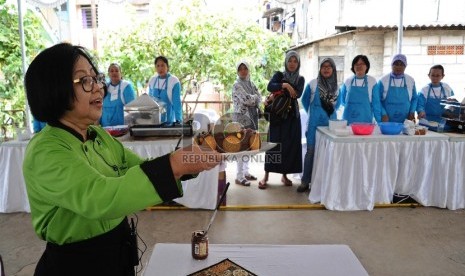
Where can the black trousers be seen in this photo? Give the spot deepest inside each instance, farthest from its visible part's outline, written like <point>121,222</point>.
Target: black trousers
<point>108,254</point>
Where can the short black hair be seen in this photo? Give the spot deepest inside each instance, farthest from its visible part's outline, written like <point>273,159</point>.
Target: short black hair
<point>164,59</point>
<point>437,66</point>
<point>49,81</point>
<point>364,59</point>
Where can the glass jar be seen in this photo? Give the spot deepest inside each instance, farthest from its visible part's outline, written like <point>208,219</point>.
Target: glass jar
<point>199,245</point>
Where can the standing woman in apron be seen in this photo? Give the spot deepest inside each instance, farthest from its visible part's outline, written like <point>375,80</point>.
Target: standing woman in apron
<point>120,93</point>
<point>319,99</point>
<point>397,93</point>
<point>359,94</point>
<point>166,89</point>
<point>430,96</point>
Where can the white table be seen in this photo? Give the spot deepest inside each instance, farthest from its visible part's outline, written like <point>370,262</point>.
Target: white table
<point>200,192</point>
<point>269,260</point>
<point>355,172</point>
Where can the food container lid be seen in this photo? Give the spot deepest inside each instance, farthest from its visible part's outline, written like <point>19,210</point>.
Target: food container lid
<point>141,103</point>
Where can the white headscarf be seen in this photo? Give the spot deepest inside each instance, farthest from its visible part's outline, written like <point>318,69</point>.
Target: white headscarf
<point>245,83</point>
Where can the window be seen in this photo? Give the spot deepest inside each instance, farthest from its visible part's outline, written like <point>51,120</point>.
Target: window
<point>86,15</point>
<point>445,50</point>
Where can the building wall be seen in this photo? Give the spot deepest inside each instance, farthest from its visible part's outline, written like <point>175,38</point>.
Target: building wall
<point>381,45</point>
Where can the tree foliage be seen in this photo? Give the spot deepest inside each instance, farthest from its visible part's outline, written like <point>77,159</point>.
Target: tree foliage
<point>199,45</point>
<point>12,94</point>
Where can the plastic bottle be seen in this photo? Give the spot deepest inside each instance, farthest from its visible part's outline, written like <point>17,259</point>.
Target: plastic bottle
<point>441,126</point>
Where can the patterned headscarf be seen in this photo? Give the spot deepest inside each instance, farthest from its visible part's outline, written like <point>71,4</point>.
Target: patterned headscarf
<point>292,77</point>
<point>328,88</point>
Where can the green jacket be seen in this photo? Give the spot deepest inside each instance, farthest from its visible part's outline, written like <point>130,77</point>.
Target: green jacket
<point>78,190</point>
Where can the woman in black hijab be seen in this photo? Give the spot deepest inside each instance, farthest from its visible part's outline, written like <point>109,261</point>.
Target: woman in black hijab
<point>286,157</point>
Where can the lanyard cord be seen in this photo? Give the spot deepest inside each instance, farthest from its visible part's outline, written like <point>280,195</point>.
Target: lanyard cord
<point>114,167</point>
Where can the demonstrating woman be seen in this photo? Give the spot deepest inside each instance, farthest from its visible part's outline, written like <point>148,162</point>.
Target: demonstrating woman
<point>166,89</point>
<point>319,100</point>
<point>286,157</point>
<point>246,100</point>
<point>81,182</point>
<point>359,94</point>
<point>120,93</point>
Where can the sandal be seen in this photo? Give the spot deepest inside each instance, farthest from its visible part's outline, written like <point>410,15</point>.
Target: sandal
<point>250,177</point>
<point>262,185</point>
<point>286,181</point>
<point>243,182</point>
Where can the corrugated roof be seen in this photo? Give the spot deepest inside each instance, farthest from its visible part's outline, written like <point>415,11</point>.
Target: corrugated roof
<point>434,25</point>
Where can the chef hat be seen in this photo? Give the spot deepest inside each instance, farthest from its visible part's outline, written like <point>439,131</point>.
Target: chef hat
<point>400,57</point>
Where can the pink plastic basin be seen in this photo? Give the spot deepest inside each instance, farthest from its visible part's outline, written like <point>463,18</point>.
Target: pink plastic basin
<point>362,128</point>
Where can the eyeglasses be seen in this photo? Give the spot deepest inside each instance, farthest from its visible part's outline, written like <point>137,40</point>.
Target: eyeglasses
<point>87,82</point>
<point>398,63</point>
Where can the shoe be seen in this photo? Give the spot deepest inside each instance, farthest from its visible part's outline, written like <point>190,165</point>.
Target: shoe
<point>286,182</point>
<point>303,187</point>
<point>243,182</point>
<point>262,185</point>
<point>250,177</point>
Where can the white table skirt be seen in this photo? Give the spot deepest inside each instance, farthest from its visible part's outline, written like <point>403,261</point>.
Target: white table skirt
<point>200,192</point>
<point>269,260</point>
<point>355,172</point>
<point>456,176</point>
<point>13,196</point>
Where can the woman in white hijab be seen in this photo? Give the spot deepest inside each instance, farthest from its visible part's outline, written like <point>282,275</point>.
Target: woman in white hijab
<point>246,100</point>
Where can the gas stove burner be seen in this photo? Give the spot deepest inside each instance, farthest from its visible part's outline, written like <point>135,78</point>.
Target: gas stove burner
<point>161,130</point>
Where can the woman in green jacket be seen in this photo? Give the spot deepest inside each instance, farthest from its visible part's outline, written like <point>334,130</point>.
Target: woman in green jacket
<point>82,183</point>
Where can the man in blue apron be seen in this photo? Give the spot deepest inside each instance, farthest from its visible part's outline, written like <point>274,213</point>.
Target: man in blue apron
<point>398,93</point>
<point>430,96</point>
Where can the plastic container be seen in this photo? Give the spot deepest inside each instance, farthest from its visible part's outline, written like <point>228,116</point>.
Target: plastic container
<point>342,132</point>
<point>391,128</point>
<point>337,124</point>
<point>362,128</point>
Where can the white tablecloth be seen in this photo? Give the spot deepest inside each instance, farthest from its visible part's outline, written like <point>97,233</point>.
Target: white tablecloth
<point>456,175</point>
<point>269,260</point>
<point>355,172</point>
<point>200,192</point>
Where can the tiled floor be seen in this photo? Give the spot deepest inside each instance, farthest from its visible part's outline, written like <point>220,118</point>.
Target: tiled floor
<point>387,241</point>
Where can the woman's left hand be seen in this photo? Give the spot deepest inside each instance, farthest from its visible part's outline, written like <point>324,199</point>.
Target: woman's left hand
<point>290,89</point>
<point>193,160</point>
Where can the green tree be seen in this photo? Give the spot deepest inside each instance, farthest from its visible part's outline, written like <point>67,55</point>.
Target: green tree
<point>199,45</point>
<point>12,94</point>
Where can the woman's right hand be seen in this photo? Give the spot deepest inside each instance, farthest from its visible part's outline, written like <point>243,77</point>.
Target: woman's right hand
<point>193,160</point>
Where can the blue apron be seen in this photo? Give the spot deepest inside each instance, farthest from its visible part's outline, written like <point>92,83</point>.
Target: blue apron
<point>358,107</point>
<point>397,103</point>
<point>433,107</point>
<point>161,96</point>
<point>113,108</point>
<point>318,117</point>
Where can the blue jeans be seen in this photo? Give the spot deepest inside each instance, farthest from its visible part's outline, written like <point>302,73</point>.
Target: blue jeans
<point>308,165</point>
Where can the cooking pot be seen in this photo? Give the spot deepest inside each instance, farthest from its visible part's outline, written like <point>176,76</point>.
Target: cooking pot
<point>144,110</point>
